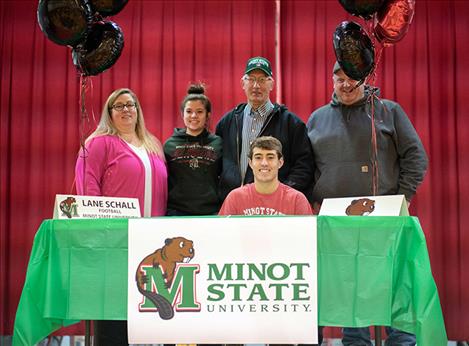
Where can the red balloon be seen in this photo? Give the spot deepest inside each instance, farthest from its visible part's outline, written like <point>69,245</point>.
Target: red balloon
<point>393,21</point>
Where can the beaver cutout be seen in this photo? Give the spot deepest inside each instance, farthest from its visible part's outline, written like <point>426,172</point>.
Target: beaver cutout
<point>176,250</point>
<point>66,206</point>
<point>362,206</point>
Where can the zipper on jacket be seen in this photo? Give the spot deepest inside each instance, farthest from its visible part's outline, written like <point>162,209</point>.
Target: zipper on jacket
<point>238,152</point>
<point>269,118</point>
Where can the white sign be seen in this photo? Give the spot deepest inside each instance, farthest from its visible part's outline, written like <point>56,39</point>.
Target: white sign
<point>222,280</point>
<point>392,205</point>
<point>92,207</point>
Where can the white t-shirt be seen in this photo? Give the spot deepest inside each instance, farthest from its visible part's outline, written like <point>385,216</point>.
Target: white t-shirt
<point>143,155</point>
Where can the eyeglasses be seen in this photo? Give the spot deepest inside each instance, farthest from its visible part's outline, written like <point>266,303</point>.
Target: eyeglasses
<point>120,107</point>
<point>259,81</point>
<point>343,81</point>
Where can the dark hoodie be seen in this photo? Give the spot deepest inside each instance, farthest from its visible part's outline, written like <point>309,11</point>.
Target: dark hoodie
<point>341,139</point>
<point>194,164</point>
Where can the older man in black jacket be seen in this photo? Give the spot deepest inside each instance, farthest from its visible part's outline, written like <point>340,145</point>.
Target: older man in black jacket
<point>260,117</point>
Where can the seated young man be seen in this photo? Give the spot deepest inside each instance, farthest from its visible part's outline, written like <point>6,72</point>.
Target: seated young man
<point>267,195</point>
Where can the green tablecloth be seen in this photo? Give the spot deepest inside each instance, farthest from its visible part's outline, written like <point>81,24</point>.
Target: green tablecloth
<point>371,271</point>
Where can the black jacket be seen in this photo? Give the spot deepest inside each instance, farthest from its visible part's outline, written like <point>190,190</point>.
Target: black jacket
<point>297,170</point>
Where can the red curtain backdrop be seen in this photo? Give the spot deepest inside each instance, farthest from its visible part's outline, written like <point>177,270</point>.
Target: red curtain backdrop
<point>171,43</point>
<point>425,73</point>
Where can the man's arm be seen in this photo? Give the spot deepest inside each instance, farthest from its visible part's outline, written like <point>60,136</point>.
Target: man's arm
<point>301,172</point>
<point>413,161</point>
<point>219,128</point>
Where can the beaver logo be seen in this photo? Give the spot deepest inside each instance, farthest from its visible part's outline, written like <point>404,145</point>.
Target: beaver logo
<point>175,250</point>
<point>362,206</point>
<point>66,206</point>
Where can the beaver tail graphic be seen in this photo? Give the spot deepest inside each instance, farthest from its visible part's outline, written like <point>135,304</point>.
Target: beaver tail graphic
<point>176,250</point>
<point>165,309</point>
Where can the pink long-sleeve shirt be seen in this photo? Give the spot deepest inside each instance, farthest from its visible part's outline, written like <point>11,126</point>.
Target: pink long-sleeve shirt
<point>111,168</point>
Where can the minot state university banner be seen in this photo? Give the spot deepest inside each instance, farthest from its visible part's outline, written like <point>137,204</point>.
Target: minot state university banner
<point>222,280</point>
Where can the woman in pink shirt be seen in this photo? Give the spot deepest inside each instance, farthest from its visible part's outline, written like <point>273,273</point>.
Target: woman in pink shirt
<point>122,159</point>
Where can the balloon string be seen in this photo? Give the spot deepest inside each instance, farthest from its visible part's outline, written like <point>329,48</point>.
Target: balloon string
<point>84,82</point>
<point>378,54</point>
<point>371,77</point>
<point>374,143</point>
<point>370,80</point>
<point>92,99</point>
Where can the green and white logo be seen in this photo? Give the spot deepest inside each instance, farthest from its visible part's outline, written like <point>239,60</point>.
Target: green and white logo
<point>164,282</point>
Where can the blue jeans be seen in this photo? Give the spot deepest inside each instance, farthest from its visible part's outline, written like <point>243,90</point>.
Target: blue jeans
<point>361,337</point>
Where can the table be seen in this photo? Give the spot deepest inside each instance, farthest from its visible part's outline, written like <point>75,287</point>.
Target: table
<point>371,271</point>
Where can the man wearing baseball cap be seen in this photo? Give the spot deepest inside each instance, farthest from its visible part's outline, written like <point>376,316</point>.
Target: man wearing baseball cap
<point>349,168</point>
<point>260,117</point>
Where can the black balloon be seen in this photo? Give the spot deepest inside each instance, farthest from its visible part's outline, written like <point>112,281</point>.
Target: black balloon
<point>102,48</point>
<point>354,50</point>
<point>64,22</point>
<point>362,8</point>
<point>108,7</point>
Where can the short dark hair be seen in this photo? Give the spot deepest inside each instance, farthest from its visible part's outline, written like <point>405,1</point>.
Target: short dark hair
<point>266,143</point>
